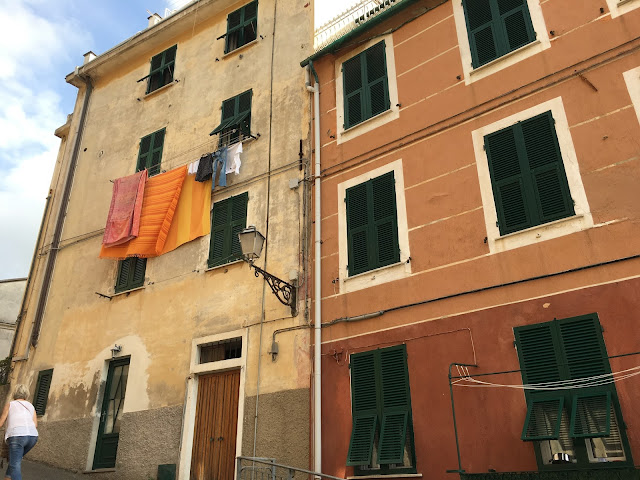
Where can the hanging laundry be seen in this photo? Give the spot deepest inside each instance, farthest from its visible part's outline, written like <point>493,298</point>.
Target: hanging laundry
<point>205,168</point>
<point>220,157</point>
<point>193,167</point>
<point>233,162</point>
<point>192,218</point>
<point>123,221</point>
<point>159,204</point>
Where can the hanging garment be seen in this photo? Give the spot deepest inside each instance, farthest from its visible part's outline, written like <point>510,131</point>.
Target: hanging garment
<point>192,218</point>
<point>205,168</point>
<point>220,157</point>
<point>123,221</point>
<point>193,167</point>
<point>161,196</point>
<point>233,155</point>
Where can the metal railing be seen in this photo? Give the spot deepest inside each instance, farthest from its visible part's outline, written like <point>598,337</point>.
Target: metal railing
<point>257,468</point>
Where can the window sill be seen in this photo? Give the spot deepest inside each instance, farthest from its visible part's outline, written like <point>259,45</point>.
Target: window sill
<point>127,291</point>
<point>364,122</point>
<point>243,47</point>
<point>538,227</point>
<point>387,475</point>
<point>506,56</point>
<point>370,272</point>
<point>161,89</point>
<point>217,267</point>
<point>99,470</point>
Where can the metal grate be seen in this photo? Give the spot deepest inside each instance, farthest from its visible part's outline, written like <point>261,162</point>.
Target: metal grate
<point>221,350</point>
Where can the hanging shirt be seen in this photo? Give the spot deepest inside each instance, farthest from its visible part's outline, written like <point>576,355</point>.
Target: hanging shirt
<point>220,157</point>
<point>193,167</point>
<point>233,158</point>
<point>205,168</point>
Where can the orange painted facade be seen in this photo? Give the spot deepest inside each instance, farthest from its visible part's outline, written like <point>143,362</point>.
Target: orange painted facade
<point>472,284</point>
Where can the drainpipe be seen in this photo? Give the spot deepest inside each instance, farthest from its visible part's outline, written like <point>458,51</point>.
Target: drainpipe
<point>317,379</point>
<point>55,244</point>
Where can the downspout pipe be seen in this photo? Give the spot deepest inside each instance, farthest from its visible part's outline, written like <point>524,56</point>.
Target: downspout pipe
<point>317,342</point>
<point>64,203</point>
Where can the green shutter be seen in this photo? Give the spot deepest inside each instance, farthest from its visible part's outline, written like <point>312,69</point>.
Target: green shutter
<point>584,350</point>
<point>131,274</point>
<point>515,21</point>
<point>150,152</point>
<point>139,268</point>
<point>364,408</point>
<point>162,67</point>
<point>236,115</point>
<point>544,416</point>
<point>42,391</point>
<point>359,247</point>
<point>591,415</point>
<point>396,404</point>
<point>242,26</point>
<point>377,84</point>
<point>385,221</point>
<point>229,218</point>
<point>353,91</point>
<point>123,275</point>
<point>538,348</point>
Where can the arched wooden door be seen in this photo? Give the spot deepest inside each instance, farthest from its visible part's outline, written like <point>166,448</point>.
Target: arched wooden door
<point>214,436</point>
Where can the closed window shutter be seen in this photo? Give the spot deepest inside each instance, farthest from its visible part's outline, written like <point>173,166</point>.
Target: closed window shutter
<point>482,31</point>
<point>396,405</point>
<point>238,223</point>
<point>139,268</point>
<point>42,391</point>
<point>583,346</point>
<point>131,274</point>
<point>546,168</point>
<point>377,83</point>
<point>229,219</point>
<point>516,24</point>
<point>364,394</point>
<point>122,283</point>
<point>359,246</point>
<point>385,222</point>
<point>353,91</point>
<point>144,152</point>
<point>150,152</point>
<point>538,353</point>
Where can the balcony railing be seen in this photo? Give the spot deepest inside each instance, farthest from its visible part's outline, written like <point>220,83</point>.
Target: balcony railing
<point>254,468</point>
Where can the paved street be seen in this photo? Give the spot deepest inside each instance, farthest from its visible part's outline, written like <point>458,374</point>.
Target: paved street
<point>37,471</point>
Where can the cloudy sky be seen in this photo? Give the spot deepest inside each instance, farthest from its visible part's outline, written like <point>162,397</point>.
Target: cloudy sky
<point>41,42</point>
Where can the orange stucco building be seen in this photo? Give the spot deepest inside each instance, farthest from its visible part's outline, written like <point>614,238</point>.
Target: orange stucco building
<point>480,214</point>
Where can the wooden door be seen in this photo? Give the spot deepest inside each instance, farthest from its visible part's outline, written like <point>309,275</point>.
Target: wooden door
<point>214,436</point>
<point>111,414</point>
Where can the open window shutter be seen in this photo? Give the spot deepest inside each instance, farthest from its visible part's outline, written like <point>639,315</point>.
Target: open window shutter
<point>537,351</point>
<point>219,227</point>
<point>363,407</point>
<point>385,222</point>
<point>359,247</point>
<point>591,415</point>
<point>377,83</point>
<point>42,391</point>
<point>354,111</point>
<point>544,416</point>
<point>583,346</point>
<point>244,112</point>
<point>139,268</point>
<point>122,283</point>
<point>238,222</point>
<point>547,170</point>
<point>516,22</point>
<point>396,404</point>
<point>144,152</point>
<point>482,31</point>
<point>507,181</point>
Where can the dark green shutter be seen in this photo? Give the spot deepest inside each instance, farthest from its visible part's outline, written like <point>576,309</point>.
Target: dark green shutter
<point>377,83</point>
<point>363,407</point>
<point>538,353</point>
<point>122,283</point>
<point>162,67</point>
<point>353,91</point>
<point>584,350</point>
<point>544,416</point>
<point>42,391</point>
<point>242,26</point>
<point>396,404</point>
<point>139,268</point>
<point>515,21</point>
<point>150,152</point>
<point>385,221</point>
<point>591,415</point>
<point>236,114</point>
<point>131,274</point>
<point>358,229</point>
<point>229,218</point>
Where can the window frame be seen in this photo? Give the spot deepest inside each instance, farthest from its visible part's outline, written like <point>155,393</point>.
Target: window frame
<point>147,157</point>
<point>240,28</point>
<point>227,230</point>
<point>582,218</point>
<point>160,70</point>
<point>131,283</point>
<point>236,127</point>
<point>41,407</point>
<point>620,7</point>
<point>554,337</point>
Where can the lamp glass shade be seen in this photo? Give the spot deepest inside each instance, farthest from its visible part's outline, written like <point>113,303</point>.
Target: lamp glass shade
<point>251,242</point>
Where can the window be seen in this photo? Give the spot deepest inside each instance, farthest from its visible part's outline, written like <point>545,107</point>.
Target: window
<point>150,152</point>
<point>235,125</point>
<point>241,27</point>
<point>221,350</point>
<point>372,224</point>
<point>229,219</point>
<point>497,27</point>
<point>162,68</point>
<point>583,423</point>
<point>527,174</point>
<point>42,391</point>
<point>131,274</point>
<point>365,84</point>
<point>382,430</point>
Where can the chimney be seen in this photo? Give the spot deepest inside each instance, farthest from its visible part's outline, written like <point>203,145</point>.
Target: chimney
<point>88,57</point>
<point>153,19</point>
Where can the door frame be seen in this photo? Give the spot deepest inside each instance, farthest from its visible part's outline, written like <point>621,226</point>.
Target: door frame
<point>191,394</point>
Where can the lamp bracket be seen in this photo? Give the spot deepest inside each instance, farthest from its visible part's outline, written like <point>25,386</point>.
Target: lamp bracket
<point>284,291</point>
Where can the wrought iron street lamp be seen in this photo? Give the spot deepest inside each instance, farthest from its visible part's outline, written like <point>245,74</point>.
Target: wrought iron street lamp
<point>251,243</point>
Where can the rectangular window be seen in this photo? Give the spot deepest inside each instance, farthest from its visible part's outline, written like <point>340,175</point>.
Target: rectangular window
<point>527,174</point>
<point>583,422</point>
<point>382,430</point>
<point>131,274</point>
<point>235,125</point>
<point>229,219</point>
<point>221,350</point>
<point>42,391</point>
<point>365,84</point>
<point>242,27</point>
<point>497,27</point>
<point>150,152</point>
<point>372,224</point>
<point>162,68</point>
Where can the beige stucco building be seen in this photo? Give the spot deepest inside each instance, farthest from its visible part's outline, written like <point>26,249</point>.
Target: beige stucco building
<point>11,293</point>
<point>185,355</point>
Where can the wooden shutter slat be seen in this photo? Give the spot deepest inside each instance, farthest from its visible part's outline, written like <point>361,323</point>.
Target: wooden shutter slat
<point>393,434</point>
<point>538,354</point>
<point>377,85</point>
<point>357,228</point>
<point>544,416</point>
<point>42,391</point>
<point>516,32</point>
<point>583,347</point>
<point>363,407</point>
<point>353,91</point>
<point>140,266</point>
<point>385,235</point>
<point>591,415</point>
